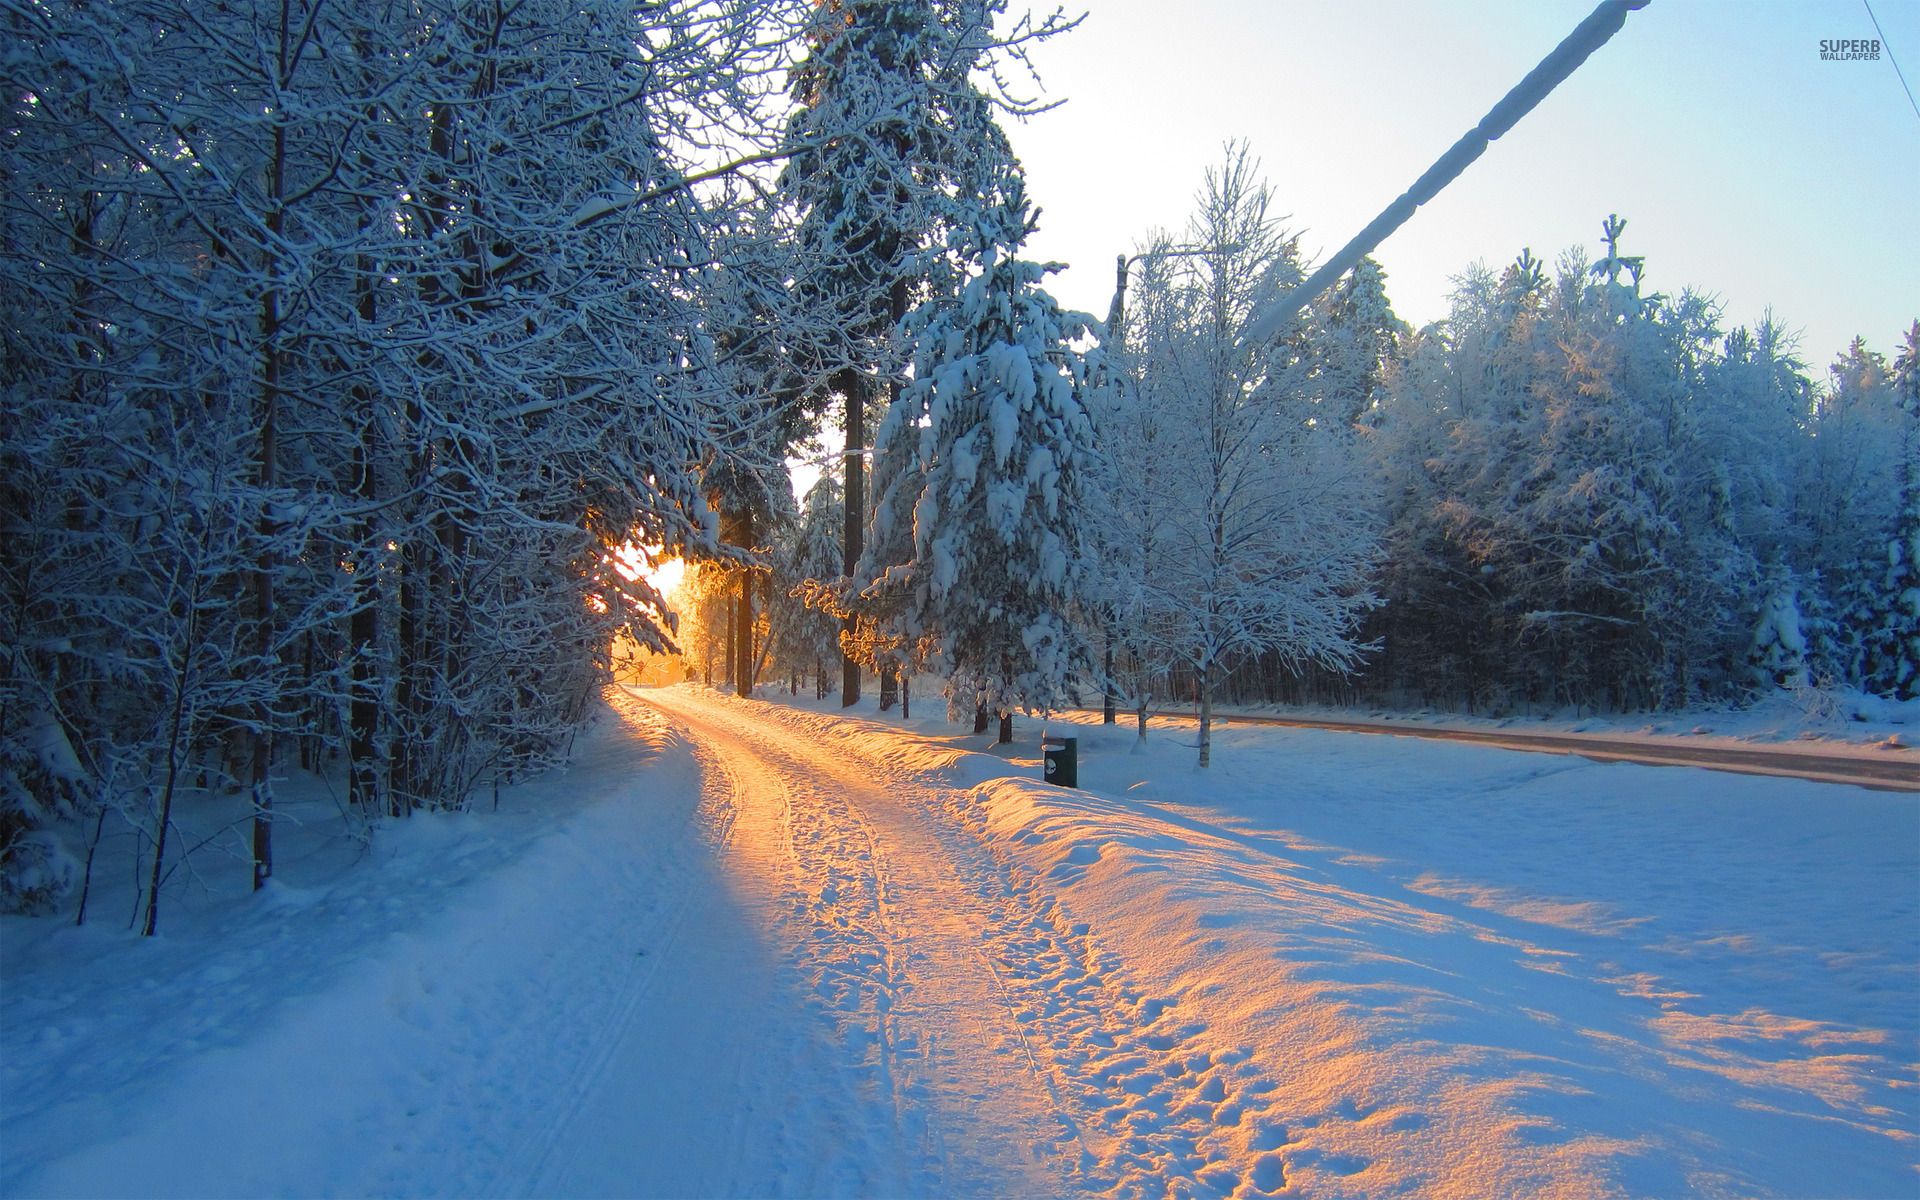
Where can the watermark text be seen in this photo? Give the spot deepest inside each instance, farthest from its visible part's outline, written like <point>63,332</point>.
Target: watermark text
<point>1849,49</point>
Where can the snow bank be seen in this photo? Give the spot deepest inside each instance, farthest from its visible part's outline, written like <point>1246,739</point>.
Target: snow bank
<point>1354,966</point>
<point>1462,972</point>
<point>412,1027</point>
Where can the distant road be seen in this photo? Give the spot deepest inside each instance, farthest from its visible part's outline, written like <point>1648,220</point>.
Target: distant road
<point>1887,769</point>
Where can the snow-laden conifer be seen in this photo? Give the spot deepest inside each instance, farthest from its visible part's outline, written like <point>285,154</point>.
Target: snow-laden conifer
<point>985,451</point>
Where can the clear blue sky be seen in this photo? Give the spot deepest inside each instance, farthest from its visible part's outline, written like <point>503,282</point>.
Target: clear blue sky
<point>1745,165</point>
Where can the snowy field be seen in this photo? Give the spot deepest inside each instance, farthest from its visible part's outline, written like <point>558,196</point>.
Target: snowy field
<point>759,949</point>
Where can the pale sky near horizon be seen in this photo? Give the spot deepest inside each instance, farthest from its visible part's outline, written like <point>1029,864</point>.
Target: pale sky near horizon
<point>1746,166</point>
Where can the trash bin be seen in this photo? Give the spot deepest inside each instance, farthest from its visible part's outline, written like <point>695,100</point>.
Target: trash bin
<point>1062,760</point>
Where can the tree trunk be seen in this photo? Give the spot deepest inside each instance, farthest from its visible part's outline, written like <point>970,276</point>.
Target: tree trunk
<point>363,647</point>
<point>743,618</point>
<point>979,718</point>
<point>729,655</point>
<point>1203,680</point>
<point>260,774</point>
<point>906,697</point>
<point>1006,729</point>
<point>1106,690</point>
<point>853,388</point>
<point>86,872</point>
<point>889,687</point>
<point>402,770</point>
<point>177,751</point>
<point>363,627</point>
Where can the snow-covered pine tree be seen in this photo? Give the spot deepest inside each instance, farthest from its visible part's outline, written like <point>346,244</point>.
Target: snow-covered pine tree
<point>992,437</point>
<point>1892,639</point>
<point>1778,655</point>
<point>806,636</point>
<point>893,141</point>
<point>1357,342</point>
<point>867,141</point>
<point>1850,502</point>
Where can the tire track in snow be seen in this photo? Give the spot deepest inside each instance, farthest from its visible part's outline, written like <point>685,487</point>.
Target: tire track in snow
<point>1141,1098</point>
<point>942,1105</point>
<point>714,820</point>
<point>694,1093</point>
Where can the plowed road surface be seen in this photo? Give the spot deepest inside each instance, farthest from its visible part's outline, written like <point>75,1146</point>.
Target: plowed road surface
<point>1891,768</point>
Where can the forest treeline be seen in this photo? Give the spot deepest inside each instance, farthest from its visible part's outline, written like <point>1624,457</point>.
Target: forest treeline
<point>1573,492</point>
<point>356,352</point>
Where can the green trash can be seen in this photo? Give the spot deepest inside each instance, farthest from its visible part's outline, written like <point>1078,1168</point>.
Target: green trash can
<point>1061,756</point>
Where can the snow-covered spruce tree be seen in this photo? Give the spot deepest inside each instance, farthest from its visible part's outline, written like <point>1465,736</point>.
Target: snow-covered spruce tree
<point>1850,504</point>
<point>892,140</point>
<point>1778,656</point>
<point>986,447</point>
<point>1755,402</point>
<point>1892,638</point>
<point>1268,534</point>
<point>806,637</point>
<point>1356,342</point>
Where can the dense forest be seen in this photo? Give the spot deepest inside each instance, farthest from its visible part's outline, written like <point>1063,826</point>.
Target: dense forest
<point>359,356</point>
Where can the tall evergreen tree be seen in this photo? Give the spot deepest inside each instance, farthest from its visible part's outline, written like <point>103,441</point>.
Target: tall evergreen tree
<point>988,444</point>
<point>891,144</point>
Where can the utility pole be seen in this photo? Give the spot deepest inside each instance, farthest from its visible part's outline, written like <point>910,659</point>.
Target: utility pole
<point>1588,36</point>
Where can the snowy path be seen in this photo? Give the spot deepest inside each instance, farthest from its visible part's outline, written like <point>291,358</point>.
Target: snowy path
<point>827,1022</point>
<point>894,955</point>
<point>747,949</point>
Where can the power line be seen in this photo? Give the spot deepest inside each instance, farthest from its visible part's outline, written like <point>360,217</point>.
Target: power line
<point>1587,37</point>
<point>1888,47</point>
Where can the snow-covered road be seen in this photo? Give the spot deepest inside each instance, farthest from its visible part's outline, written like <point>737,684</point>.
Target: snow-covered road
<point>755,949</point>
<point>1014,989</point>
<point>830,1020</point>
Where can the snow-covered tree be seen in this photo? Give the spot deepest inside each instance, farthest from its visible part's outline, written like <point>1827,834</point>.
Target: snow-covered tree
<point>418,305</point>
<point>1357,343</point>
<point>1266,537</point>
<point>1131,505</point>
<point>1778,655</point>
<point>1891,635</point>
<point>893,140</point>
<point>986,448</point>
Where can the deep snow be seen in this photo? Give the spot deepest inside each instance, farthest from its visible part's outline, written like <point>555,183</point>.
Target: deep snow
<point>763,950</point>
